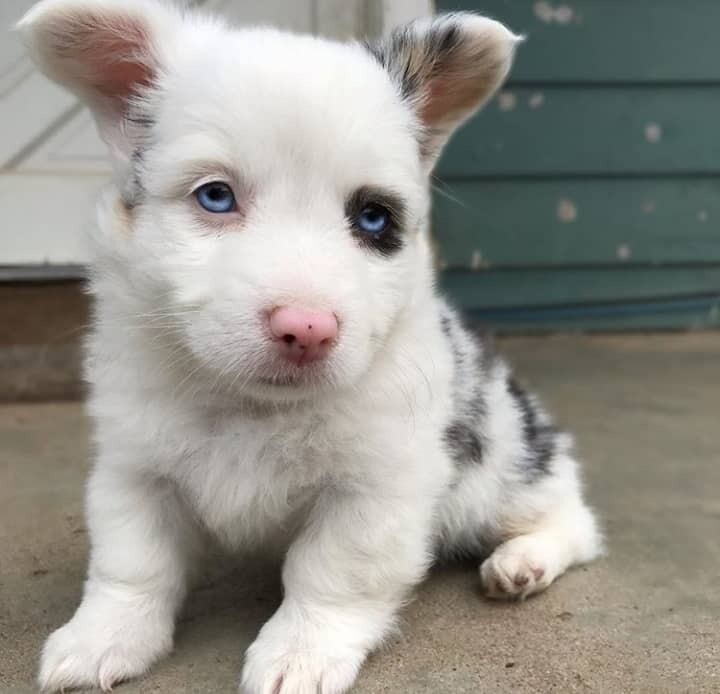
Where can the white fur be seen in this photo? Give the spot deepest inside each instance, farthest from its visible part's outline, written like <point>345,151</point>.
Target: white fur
<point>347,465</point>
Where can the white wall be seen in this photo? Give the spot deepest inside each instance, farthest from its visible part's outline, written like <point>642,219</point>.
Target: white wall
<point>395,12</point>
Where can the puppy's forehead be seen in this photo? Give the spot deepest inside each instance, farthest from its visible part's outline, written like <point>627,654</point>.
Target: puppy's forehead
<point>269,98</point>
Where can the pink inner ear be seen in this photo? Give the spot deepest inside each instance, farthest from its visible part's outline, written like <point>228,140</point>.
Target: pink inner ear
<point>112,54</point>
<point>436,102</point>
<point>122,77</point>
<point>451,94</point>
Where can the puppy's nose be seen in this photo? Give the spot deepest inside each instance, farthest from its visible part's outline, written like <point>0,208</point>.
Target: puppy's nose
<point>303,336</point>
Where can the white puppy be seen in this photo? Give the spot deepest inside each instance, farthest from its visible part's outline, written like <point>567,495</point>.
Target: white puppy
<point>270,361</point>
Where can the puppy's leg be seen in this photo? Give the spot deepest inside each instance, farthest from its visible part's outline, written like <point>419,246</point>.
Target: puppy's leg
<point>345,577</point>
<point>136,580</point>
<point>516,495</point>
<point>529,562</point>
<point>533,529</point>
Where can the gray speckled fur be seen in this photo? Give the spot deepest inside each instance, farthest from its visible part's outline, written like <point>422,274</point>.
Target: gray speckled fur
<point>475,366</point>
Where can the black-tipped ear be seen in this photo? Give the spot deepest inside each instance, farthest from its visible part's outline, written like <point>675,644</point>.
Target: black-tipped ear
<point>447,67</point>
<point>106,51</point>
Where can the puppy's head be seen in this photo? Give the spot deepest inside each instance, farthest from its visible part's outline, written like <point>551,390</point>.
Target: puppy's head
<point>276,185</point>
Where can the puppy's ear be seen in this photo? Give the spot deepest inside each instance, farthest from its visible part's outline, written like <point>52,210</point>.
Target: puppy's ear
<point>109,52</point>
<point>447,68</point>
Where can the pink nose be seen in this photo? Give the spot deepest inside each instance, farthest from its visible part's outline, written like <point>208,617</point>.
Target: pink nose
<point>303,336</point>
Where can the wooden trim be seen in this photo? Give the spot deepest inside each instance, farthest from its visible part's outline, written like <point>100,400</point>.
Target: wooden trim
<point>42,326</point>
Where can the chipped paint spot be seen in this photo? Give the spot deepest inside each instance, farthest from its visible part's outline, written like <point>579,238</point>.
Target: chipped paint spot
<point>499,145</point>
<point>702,216</point>
<point>476,260</point>
<point>566,211</point>
<point>547,13</point>
<point>536,100</point>
<point>544,12</point>
<point>507,101</point>
<point>653,132</point>
<point>624,252</point>
<point>648,206</point>
<point>564,14</point>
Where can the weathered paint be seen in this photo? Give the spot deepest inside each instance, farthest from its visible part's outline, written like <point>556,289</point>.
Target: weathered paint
<point>515,221</point>
<point>564,14</point>
<point>653,132</point>
<point>586,130</point>
<point>506,101</point>
<point>593,193</point>
<point>624,252</point>
<point>566,211</point>
<point>610,41</point>
<point>536,100</point>
<point>548,13</point>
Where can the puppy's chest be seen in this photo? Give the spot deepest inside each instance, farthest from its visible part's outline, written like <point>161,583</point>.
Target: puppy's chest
<point>251,479</point>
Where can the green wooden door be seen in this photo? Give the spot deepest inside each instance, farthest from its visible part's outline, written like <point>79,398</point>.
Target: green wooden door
<point>587,194</point>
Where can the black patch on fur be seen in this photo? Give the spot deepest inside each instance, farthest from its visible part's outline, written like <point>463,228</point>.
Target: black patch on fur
<point>477,406</point>
<point>445,325</point>
<point>138,128</point>
<point>141,120</point>
<point>540,437</point>
<point>464,444</point>
<point>137,191</point>
<point>389,241</point>
<point>412,58</point>
<point>463,436</point>
<point>420,56</point>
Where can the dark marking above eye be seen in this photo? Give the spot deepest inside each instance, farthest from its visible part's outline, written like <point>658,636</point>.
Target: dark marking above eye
<point>387,239</point>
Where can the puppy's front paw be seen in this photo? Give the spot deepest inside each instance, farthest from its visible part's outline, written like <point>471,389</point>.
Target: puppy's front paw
<point>517,568</point>
<point>299,658</point>
<point>84,653</point>
<point>296,672</point>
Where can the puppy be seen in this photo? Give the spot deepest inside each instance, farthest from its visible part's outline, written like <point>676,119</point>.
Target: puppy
<point>270,362</point>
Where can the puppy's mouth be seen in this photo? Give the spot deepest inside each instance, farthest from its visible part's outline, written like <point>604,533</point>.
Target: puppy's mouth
<point>280,381</point>
<point>290,376</point>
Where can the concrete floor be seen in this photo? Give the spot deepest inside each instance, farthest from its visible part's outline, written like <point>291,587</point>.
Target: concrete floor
<point>646,412</point>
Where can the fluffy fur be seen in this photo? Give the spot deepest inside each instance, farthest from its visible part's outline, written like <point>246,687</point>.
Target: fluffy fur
<point>409,442</point>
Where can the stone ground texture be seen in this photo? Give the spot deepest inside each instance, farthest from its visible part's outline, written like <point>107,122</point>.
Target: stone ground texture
<point>646,413</point>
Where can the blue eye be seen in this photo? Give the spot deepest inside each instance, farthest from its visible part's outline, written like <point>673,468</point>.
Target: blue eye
<point>373,219</point>
<point>216,197</point>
